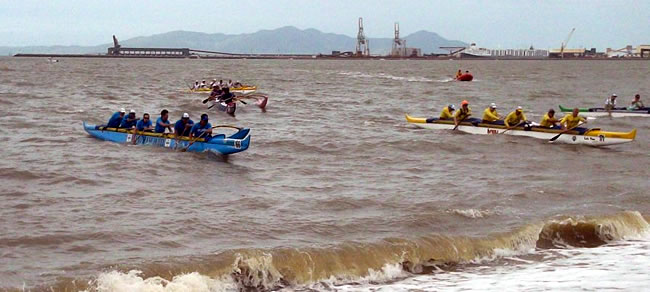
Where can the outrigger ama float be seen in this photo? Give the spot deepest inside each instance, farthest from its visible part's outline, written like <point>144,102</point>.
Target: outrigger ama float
<point>219,144</point>
<point>618,112</point>
<point>592,137</point>
<point>240,90</point>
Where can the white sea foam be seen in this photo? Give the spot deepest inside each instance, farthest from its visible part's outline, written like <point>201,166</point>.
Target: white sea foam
<point>472,213</point>
<point>386,76</point>
<point>115,281</point>
<point>622,266</point>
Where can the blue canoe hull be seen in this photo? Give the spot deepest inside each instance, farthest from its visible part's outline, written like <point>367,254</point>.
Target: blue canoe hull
<point>219,144</point>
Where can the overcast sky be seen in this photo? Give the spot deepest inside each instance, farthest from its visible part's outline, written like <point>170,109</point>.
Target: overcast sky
<point>492,24</point>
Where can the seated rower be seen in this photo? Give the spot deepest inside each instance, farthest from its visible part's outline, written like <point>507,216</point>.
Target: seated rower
<point>226,97</point>
<point>229,83</point>
<point>463,113</point>
<point>447,112</point>
<point>196,85</point>
<point>572,120</point>
<point>610,103</point>
<point>163,122</point>
<point>515,118</point>
<point>549,120</point>
<point>182,127</point>
<point>202,129</point>
<point>116,119</point>
<point>636,104</point>
<point>459,73</point>
<point>129,120</point>
<point>213,83</point>
<point>490,114</point>
<point>203,85</point>
<point>215,93</point>
<point>144,124</point>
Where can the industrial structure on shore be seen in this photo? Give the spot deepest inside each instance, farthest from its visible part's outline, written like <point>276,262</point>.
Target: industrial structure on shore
<point>399,50</point>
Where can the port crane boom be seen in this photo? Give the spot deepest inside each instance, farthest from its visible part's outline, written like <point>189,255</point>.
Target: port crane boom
<point>564,44</point>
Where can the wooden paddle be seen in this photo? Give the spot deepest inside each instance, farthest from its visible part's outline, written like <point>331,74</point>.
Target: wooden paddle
<point>192,142</point>
<point>456,127</point>
<point>565,131</point>
<point>512,127</point>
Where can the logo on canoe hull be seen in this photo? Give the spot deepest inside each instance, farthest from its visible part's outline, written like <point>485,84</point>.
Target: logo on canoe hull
<point>129,138</point>
<point>573,138</point>
<point>168,142</point>
<point>492,131</point>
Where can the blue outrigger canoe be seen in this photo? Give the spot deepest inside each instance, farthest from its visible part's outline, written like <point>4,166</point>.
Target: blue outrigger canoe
<point>219,144</point>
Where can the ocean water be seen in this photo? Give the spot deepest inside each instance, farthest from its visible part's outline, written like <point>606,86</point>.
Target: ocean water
<point>336,192</point>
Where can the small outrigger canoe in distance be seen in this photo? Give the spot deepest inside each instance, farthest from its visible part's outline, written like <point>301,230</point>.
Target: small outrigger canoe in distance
<point>218,144</point>
<point>617,112</point>
<point>242,90</point>
<point>592,137</point>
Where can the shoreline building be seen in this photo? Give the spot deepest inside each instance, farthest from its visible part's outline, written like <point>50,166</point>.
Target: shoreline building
<point>519,53</point>
<point>641,51</point>
<point>474,51</point>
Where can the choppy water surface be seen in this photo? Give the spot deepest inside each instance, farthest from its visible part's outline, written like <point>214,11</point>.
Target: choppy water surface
<point>337,191</point>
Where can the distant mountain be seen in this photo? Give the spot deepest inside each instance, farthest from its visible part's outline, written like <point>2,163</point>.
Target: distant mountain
<point>284,40</point>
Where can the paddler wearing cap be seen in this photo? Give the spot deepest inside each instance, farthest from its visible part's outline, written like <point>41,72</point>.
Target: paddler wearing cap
<point>182,127</point>
<point>116,119</point>
<point>129,120</point>
<point>463,113</point>
<point>447,112</point>
<point>610,103</point>
<point>515,118</point>
<point>490,114</point>
<point>202,129</point>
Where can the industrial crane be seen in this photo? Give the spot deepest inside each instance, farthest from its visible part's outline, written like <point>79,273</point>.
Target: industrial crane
<point>564,44</point>
<point>362,41</point>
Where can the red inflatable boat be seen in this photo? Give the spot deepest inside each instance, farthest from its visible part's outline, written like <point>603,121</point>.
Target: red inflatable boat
<point>465,77</point>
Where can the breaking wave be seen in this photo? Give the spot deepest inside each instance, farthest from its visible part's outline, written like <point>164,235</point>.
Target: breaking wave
<point>359,263</point>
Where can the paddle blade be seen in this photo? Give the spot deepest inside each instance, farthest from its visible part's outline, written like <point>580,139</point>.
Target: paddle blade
<point>555,138</point>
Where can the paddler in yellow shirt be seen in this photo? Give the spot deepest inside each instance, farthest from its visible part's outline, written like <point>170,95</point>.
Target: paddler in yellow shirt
<point>572,120</point>
<point>462,114</point>
<point>549,120</point>
<point>490,114</point>
<point>515,118</point>
<point>447,112</point>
